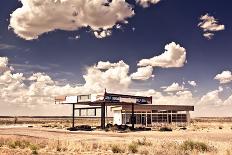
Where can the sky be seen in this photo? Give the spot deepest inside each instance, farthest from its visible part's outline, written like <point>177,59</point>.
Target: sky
<point>177,51</point>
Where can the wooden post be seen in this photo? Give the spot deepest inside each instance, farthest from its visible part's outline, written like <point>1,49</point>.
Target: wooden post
<point>133,116</point>
<point>73,116</point>
<point>103,105</point>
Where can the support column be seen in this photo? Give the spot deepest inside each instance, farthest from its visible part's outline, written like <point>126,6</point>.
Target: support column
<point>73,116</point>
<point>103,105</point>
<point>188,117</point>
<point>133,115</point>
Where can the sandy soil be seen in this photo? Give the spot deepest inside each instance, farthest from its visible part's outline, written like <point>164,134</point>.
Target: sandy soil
<point>181,135</point>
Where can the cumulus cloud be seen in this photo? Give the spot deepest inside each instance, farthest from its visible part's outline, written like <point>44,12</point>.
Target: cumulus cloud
<point>37,17</point>
<point>34,94</point>
<point>146,3</point>
<point>173,87</point>
<point>179,98</point>
<point>173,56</point>
<point>111,76</point>
<point>212,98</point>
<point>39,89</point>
<point>143,73</point>
<point>192,83</point>
<point>228,101</point>
<point>224,77</point>
<point>209,25</point>
<point>4,64</point>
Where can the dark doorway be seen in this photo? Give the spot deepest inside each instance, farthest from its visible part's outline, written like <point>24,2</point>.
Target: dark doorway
<point>148,119</point>
<point>169,119</point>
<point>143,119</point>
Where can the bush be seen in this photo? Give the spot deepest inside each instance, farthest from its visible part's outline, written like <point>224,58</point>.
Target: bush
<point>192,145</point>
<point>165,129</point>
<point>144,142</point>
<point>33,147</point>
<point>116,149</point>
<point>34,152</point>
<point>11,145</point>
<point>133,147</point>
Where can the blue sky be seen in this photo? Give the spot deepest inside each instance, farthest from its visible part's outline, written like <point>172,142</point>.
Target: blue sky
<point>64,58</point>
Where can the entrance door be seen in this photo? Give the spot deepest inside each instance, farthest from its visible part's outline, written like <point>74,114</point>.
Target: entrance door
<point>117,117</point>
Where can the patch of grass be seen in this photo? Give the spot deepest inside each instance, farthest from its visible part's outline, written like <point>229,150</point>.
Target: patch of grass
<point>11,145</point>
<point>22,144</point>
<point>117,149</point>
<point>144,141</point>
<point>194,145</point>
<point>133,147</point>
<point>1,142</point>
<point>34,148</point>
<point>58,147</point>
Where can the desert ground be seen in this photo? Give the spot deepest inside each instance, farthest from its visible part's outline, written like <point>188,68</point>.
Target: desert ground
<point>202,136</point>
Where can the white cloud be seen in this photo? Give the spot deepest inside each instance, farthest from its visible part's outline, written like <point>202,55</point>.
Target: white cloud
<point>178,98</point>
<point>208,35</point>
<point>146,3</point>
<point>3,64</point>
<point>41,77</point>
<point>36,93</point>
<point>108,65</point>
<point>209,25</point>
<point>212,98</point>
<point>118,26</point>
<point>102,34</point>
<point>173,56</point>
<point>224,77</point>
<point>111,76</point>
<point>36,17</point>
<point>173,87</point>
<point>192,83</point>
<point>228,101</point>
<point>39,89</point>
<point>143,73</point>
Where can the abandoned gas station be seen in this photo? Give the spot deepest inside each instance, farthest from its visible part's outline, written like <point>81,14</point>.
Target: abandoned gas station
<point>126,110</point>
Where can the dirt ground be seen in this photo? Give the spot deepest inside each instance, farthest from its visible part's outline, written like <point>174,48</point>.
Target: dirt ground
<point>216,134</point>
<point>62,134</point>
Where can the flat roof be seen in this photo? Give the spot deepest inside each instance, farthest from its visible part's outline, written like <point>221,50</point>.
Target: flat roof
<point>159,107</point>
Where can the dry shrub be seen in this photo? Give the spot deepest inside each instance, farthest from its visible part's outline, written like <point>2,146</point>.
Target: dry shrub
<point>133,147</point>
<point>144,141</point>
<point>117,148</point>
<point>195,146</point>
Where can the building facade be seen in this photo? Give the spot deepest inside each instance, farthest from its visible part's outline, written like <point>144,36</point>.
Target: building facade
<point>127,109</point>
